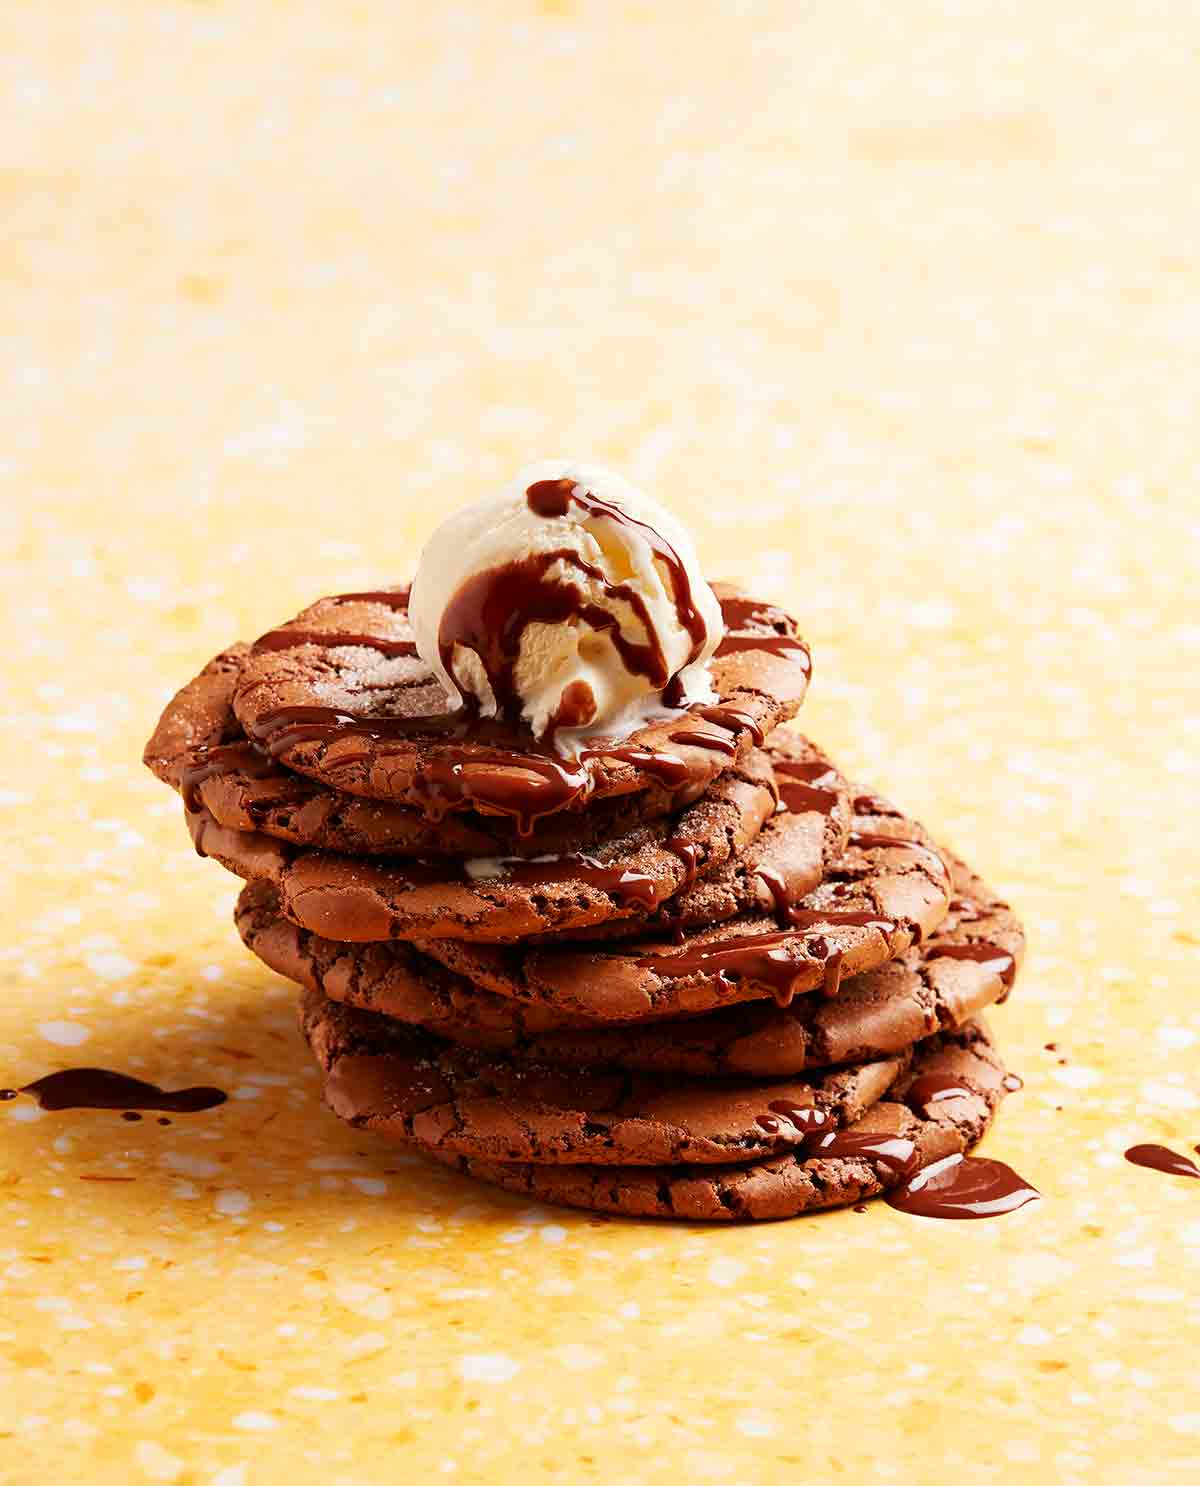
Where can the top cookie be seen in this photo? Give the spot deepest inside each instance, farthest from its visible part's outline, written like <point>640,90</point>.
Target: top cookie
<point>200,749</point>
<point>339,694</point>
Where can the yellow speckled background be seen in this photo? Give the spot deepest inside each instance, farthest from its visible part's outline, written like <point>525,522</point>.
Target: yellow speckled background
<point>898,306</point>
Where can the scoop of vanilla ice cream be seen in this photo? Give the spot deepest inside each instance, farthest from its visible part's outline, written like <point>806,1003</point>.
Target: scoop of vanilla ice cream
<point>571,600</point>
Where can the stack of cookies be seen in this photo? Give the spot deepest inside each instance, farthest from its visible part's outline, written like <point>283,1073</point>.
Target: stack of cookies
<point>687,971</point>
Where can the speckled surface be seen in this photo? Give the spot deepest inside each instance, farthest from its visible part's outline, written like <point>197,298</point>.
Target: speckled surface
<point>898,306</point>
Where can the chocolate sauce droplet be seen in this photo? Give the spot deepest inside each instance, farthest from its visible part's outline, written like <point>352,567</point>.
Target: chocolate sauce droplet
<point>963,1187</point>
<point>100,1088</point>
<point>1160,1158</point>
<point>7,1094</point>
<point>132,1115</point>
<point>1012,1083</point>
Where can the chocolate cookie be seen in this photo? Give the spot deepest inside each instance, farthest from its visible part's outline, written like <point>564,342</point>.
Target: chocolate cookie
<point>491,899</point>
<point>890,889</point>
<point>806,837</point>
<point>969,964</point>
<point>879,1151</point>
<point>199,749</point>
<point>338,694</point>
<point>407,1086</point>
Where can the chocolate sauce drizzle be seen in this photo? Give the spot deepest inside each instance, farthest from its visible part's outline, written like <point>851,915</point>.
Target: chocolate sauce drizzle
<point>521,782</point>
<point>391,598</point>
<point>932,1089</point>
<point>806,784</point>
<point>223,758</point>
<point>963,1187</point>
<point>734,719</point>
<point>101,1088</point>
<point>787,646</point>
<point>292,639</point>
<point>868,841</point>
<point>492,610</point>
<point>715,742</point>
<point>991,956</point>
<point>1161,1158</point>
<point>624,884</point>
<point>551,498</point>
<point>763,958</point>
<point>896,1154</point>
<point>740,612</point>
<point>667,768</point>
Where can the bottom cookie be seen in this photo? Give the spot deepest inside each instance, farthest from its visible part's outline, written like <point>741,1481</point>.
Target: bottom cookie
<point>879,1152</point>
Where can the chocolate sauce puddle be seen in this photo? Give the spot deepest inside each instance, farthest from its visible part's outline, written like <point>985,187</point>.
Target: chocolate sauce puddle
<point>1161,1158</point>
<point>101,1088</point>
<point>963,1187</point>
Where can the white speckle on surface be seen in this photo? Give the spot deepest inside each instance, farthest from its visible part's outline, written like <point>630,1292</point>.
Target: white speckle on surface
<point>131,1262</point>
<point>577,1357</point>
<point>64,1034</point>
<point>1076,1077</point>
<point>155,1462</point>
<point>725,1272</point>
<point>110,966</point>
<point>367,1344</point>
<point>253,1420</point>
<point>370,1186</point>
<point>488,1367</point>
<point>1033,1336</point>
<point>755,1424</point>
<point>552,1233</point>
<point>1185,1423</point>
<point>1167,1095</point>
<point>230,1475</point>
<point>232,1202</point>
<point>199,1166</point>
<point>318,1395</point>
